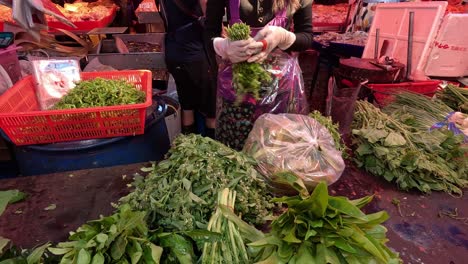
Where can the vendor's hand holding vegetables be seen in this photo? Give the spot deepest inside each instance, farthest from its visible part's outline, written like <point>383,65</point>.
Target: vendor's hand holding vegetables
<point>268,39</point>
<point>234,51</point>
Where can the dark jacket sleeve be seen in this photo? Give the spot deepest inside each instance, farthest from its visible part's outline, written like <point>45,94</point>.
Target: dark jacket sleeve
<point>303,28</point>
<point>213,22</point>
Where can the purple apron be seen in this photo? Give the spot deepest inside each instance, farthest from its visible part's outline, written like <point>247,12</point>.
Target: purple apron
<point>284,95</point>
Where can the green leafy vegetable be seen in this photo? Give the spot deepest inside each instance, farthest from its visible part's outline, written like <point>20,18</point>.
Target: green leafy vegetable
<point>247,78</point>
<point>399,147</point>
<point>324,229</point>
<point>332,128</point>
<point>119,238</point>
<point>231,249</point>
<point>455,97</point>
<point>181,192</point>
<point>10,197</point>
<point>101,92</point>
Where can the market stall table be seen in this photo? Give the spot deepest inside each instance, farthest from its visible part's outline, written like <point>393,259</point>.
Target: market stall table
<point>421,229</point>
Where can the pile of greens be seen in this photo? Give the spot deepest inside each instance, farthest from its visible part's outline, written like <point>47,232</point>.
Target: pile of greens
<point>455,97</point>
<point>181,191</point>
<point>247,78</point>
<point>119,238</point>
<point>319,228</point>
<point>101,92</point>
<point>393,147</point>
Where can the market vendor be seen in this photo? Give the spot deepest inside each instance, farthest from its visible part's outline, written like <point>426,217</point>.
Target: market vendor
<point>186,60</point>
<point>271,43</point>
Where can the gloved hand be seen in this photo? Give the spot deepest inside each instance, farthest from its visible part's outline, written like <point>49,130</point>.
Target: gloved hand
<point>268,39</point>
<point>234,51</point>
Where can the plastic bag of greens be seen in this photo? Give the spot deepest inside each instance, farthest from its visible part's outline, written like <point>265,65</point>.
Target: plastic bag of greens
<point>292,143</point>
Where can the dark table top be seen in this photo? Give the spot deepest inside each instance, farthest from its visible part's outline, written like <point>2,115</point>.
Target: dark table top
<point>423,233</point>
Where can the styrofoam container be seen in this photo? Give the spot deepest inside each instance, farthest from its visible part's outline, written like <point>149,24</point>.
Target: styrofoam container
<point>393,21</point>
<point>449,53</point>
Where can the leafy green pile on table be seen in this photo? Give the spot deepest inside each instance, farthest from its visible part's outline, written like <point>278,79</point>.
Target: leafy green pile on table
<point>390,147</point>
<point>181,191</point>
<point>319,228</point>
<point>455,97</point>
<point>101,92</point>
<point>247,78</point>
<point>119,238</point>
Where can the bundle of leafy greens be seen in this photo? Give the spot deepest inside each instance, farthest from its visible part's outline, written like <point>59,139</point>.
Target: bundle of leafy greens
<point>101,92</point>
<point>319,228</point>
<point>332,128</point>
<point>247,78</point>
<point>391,147</point>
<point>231,248</point>
<point>181,191</point>
<point>455,97</point>
<point>119,238</point>
<point>423,113</point>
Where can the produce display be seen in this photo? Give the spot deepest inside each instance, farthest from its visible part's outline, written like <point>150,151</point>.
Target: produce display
<point>294,143</point>
<point>358,38</point>
<point>140,46</point>
<point>329,14</point>
<point>247,78</point>
<point>80,11</point>
<point>101,92</point>
<point>181,191</point>
<point>391,146</point>
<point>332,128</point>
<point>455,97</point>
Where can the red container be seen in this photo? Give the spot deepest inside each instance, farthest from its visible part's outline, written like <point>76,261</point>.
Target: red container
<point>84,25</point>
<point>25,124</point>
<point>384,93</point>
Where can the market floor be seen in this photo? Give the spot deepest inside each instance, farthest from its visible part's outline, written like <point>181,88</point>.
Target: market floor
<point>423,228</point>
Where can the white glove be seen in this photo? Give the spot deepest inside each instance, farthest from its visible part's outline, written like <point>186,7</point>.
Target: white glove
<point>268,39</point>
<point>234,51</point>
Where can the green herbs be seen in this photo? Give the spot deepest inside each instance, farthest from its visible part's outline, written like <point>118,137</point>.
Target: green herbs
<point>455,97</point>
<point>119,238</point>
<point>231,249</point>
<point>180,193</point>
<point>332,128</point>
<point>101,92</point>
<point>390,147</point>
<point>238,31</point>
<point>247,78</point>
<point>319,228</point>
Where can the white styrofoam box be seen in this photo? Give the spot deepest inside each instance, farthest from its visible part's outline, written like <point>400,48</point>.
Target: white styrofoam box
<point>449,54</point>
<point>393,21</point>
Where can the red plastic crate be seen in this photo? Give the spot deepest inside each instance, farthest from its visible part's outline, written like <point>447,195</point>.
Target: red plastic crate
<point>384,93</point>
<point>25,124</point>
<point>84,25</point>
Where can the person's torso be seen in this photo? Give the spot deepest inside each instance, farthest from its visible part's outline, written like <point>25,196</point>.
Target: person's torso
<point>184,37</point>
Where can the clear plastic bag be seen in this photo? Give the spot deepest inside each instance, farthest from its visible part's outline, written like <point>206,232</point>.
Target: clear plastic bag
<point>294,143</point>
<point>285,94</point>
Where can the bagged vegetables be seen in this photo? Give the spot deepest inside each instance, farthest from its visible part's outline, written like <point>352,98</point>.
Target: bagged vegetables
<point>294,143</point>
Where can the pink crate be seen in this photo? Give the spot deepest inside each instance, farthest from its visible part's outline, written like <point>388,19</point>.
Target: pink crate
<point>9,61</point>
